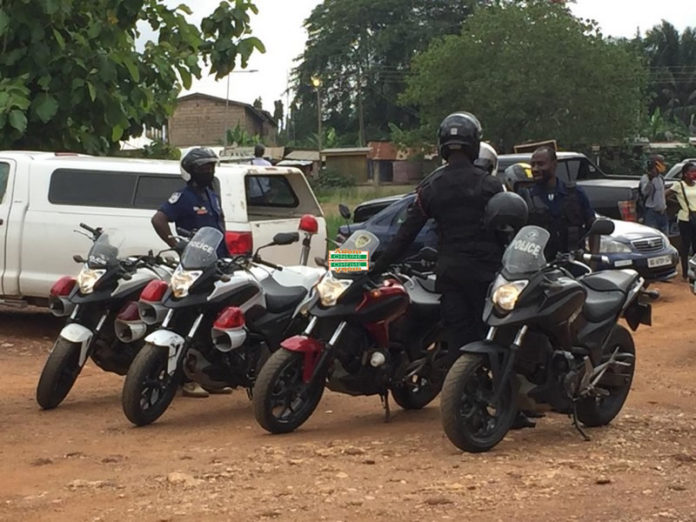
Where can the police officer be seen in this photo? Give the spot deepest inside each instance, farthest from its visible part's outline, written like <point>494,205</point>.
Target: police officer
<point>563,210</point>
<point>197,205</point>
<point>455,196</point>
<point>194,207</point>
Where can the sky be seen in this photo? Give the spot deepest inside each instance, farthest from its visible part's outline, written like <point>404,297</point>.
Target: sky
<point>279,25</point>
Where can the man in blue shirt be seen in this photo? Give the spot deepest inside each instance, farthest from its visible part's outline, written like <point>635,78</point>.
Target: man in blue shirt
<point>563,210</point>
<point>194,207</point>
<point>197,205</point>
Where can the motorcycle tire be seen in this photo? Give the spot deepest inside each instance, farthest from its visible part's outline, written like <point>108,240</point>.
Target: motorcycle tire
<point>149,389</point>
<point>278,389</point>
<point>59,374</point>
<point>414,399</point>
<point>600,411</point>
<point>466,413</point>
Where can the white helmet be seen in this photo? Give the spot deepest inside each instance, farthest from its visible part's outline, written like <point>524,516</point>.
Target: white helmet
<point>487,159</point>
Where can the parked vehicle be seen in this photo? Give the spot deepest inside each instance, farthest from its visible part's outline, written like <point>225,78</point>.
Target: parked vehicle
<point>363,338</point>
<point>44,195</point>
<point>223,317</point>
<point>631,245</point>
<point>104,288</point>
<point>553,341</point>
<point>692,273</point>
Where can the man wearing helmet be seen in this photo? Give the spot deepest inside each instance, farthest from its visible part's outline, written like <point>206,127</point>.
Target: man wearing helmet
<point>563,210</point>
<point>194,207</point>
<point>455,196</point>
<point>197,205</point>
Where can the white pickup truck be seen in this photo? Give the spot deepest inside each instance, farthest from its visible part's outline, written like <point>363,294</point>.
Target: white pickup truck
<point>44,196</point>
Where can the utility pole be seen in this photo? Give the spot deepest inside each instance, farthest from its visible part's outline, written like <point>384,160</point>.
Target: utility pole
<point>316,82</point>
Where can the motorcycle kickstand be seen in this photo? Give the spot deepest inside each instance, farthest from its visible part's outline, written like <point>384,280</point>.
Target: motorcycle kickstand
<point>576,424</point>
<point>385,404</point>
<point>250,393</point>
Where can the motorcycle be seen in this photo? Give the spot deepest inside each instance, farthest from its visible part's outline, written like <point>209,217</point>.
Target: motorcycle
<point>692,273</point>
<point>103,290</point>
<point>220,318</point>
<point>553,341</point>
<point>363,338</point>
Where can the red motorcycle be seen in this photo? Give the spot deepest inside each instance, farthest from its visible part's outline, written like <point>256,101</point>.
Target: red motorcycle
<point>363,338</point>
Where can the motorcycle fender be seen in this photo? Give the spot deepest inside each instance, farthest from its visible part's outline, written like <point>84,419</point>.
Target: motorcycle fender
<point>311,348</point>
<point>498,355</point>
<point>78,334</point>
<point>173,342</point>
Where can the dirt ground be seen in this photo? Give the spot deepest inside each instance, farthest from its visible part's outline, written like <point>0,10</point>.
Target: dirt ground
<point>206,459</point>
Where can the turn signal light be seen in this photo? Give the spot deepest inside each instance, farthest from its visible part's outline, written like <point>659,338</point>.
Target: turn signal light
<point>230,317</point>
<point>63,286</point>
<point>239,243</point>
<point>154,291</point>
<point>309,224</point>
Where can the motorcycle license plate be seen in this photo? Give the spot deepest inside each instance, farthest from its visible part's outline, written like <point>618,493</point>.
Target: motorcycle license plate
<point>659,261</point>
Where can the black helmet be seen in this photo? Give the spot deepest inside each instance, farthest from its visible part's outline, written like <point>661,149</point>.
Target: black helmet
<point>195,159</point>
<point>459,131</point>
<point>516,176</point>
<point>505,210</point>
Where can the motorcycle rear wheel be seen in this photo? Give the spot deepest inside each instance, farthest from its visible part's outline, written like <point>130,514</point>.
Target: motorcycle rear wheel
<point>282,402</point>
<point>59,374</point>
<point>470,421</point>
<point>149,389</point>
<point>600,411</point>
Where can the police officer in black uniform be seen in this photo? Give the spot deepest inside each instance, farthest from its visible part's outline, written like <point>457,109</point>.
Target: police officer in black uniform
<point>455,196</point>
<point>197,205</point>
<point>194,207</point>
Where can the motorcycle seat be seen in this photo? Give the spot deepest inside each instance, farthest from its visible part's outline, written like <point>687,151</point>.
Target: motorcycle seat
<point>279,297</point>
<point>610,280</point>
<point>601,305</point>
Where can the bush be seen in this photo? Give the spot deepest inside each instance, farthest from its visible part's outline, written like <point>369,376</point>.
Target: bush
<point>330,179</point>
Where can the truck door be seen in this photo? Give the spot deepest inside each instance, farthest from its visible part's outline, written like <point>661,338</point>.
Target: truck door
<point>5,202</point>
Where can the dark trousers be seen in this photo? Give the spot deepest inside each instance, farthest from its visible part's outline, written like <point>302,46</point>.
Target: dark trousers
<point>461,308</point>
<point>688,241</point>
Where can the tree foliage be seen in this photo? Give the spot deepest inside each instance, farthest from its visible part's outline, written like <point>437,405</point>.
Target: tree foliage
<point>72,78</point>
<point>530,71</point>
<point>361,51</point>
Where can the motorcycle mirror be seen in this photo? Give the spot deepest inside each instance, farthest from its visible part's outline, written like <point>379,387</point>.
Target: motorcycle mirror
<point>79,259</point>
<point>286,238</point>
<point>345,212</point>
<point>320,261</point>
<point>601,227</point>
<point>428,254</point>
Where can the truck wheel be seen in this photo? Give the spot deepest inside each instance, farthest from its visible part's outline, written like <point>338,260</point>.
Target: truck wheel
<point>149,389</point>
<point>59,374</point>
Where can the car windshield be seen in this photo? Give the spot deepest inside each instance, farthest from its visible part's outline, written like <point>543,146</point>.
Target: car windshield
<point>104,251</point>
<point>361,241</point>
<point>201,251</point>
<point>525,253</point>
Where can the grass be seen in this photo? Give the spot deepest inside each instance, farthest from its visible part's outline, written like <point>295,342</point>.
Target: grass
<point>352,196</point>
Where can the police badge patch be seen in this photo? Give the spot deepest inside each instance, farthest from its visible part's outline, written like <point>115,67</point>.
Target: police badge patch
<point>174,197</point>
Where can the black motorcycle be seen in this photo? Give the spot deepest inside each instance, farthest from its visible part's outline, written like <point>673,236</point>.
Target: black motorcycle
<point>553,340</point>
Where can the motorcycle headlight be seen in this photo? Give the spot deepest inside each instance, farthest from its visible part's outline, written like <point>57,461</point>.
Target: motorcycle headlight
<point>330,289</point>
<point>88,277</point>
<point>609,245</point>
<point>506,293</point>
<point>182,280</point>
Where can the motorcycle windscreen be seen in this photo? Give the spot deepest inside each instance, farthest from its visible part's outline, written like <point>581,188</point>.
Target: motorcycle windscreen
<point>201,250</point>
<point>362,241</point>
<point>525,254</point>
<point>104,251</point>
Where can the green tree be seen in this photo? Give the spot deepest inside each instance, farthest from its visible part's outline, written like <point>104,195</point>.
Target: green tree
<point>72,78</point>
<point>361,50</point>
<point>530,71</point>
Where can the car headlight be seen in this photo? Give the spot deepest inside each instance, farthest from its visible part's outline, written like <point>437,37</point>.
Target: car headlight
<point>609,245</point>
<point>505,295</point>
<point>330,289</point>
<point>88,277</point>
<point>182,280</point>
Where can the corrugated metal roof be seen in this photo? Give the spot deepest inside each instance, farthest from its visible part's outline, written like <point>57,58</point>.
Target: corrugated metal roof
<point>306,155</point>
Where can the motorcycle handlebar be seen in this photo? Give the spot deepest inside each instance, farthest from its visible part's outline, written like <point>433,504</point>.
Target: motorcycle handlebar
<point>94,231</point>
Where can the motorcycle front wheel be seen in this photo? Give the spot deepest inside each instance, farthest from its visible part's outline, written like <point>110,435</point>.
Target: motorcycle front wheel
<point>149,389</point>
<point>59,374</point>
<point>601,410</point>
<point>471,421</point>
<point>282,400</point>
